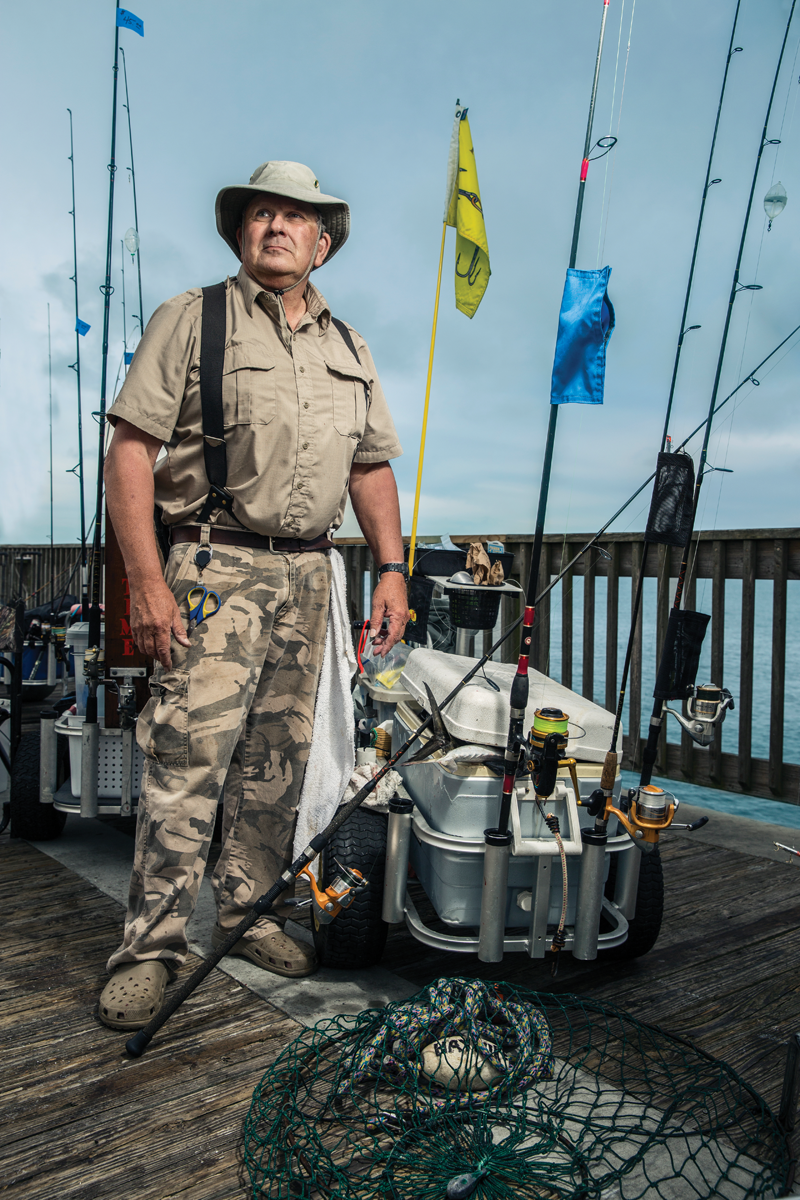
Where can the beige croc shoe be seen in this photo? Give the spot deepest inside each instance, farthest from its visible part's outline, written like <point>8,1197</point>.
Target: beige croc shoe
<point>133,995</point>
<point>275,951</point>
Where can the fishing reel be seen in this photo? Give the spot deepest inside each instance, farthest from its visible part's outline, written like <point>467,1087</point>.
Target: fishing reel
<point>703,709</point>
<point>648,811</point>
<point>544,752</point>
<point>339,895</point>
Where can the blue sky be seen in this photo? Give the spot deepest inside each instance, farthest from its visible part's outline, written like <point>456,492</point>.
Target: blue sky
<point>364,93</point>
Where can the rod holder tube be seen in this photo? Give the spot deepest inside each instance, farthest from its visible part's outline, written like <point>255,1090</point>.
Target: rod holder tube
<point>90,747</point>
<point>398,839</point>
<point>590,894</point>
<point>627,883</point>
<point>48,755</point>
<point>495,895</point>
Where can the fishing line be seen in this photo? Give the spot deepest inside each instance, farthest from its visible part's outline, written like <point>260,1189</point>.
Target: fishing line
<point>610,126</point>
<point>619,122</point>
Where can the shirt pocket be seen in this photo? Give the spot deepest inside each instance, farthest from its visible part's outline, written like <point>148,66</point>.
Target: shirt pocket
<point>248,385</point>
<point>349,388</point>
<point>162,730</point>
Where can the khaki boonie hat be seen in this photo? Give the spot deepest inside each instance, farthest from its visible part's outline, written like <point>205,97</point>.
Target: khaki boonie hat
<point>290,179</point>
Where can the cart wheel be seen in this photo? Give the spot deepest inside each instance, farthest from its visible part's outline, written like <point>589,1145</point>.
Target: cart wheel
<point>357,936</point>
<point>30,819</point>
<point>645,927</point>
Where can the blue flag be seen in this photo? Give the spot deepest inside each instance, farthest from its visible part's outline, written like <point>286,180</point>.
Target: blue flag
<point>81,327</point>
<point>585,324</point>
<point>128,357</point>
<point>129,20</point>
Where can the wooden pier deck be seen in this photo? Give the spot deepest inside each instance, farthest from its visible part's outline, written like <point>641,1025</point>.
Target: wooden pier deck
<point>82,1121</point>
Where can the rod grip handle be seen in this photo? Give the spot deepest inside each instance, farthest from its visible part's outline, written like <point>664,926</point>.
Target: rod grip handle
<point>608,778</point>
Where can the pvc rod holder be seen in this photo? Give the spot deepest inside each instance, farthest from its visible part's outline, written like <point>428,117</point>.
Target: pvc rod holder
<point>51,662</point>
<point>90,748</point>
<point>48,756</point>
<point>494,897</point>
<point>627,883</point>
<point>398,840</point>
<point>590,895</point>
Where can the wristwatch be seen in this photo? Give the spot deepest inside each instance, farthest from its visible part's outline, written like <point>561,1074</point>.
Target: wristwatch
<point>401,568</point>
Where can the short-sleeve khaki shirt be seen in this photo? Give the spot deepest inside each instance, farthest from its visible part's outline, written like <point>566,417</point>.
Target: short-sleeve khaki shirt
<point>295,411</point>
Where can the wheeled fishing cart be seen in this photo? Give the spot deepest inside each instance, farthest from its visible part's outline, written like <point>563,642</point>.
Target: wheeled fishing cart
<point>433,836</point>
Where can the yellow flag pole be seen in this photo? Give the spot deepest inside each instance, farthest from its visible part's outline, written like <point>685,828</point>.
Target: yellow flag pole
<point>425,411</point>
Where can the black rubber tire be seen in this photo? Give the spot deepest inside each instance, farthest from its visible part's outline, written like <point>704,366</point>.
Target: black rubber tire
<point>645,927</point>
<point>29,819</point>
<point>356,937</point>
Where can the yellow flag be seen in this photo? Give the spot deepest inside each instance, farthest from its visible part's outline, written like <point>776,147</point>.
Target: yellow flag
<point>463,210</point>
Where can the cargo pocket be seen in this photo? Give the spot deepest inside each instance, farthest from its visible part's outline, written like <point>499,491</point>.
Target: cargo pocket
<point>248,385</point>
<point>162,730</point>
<point>349,388</point>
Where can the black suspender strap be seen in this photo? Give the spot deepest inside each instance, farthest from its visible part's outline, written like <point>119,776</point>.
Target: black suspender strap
<point>212,359</point>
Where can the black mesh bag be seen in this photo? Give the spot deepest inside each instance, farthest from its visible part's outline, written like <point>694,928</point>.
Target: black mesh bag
<point>670,518</point>
<point>420,594</point>
<point>680,657</point>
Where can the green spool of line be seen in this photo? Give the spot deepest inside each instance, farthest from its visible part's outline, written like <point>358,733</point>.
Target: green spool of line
<point>550,720</point>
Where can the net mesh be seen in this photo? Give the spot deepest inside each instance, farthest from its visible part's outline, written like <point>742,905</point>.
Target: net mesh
<point>680,657</point>
<point>482,1089</point>
<point>670,517</point>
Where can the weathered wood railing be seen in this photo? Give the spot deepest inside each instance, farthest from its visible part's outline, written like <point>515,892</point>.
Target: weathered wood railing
<point>582,628</point>
<point>759,683</point>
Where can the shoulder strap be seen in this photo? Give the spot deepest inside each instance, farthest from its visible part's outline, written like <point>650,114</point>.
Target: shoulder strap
<point>212,358</point>
<point>347,338</point>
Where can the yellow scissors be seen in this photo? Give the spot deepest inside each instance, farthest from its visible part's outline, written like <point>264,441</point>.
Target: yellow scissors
<point>203,603</point>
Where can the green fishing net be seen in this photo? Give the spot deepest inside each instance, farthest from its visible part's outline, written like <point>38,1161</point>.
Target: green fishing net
<point>481,1089</point>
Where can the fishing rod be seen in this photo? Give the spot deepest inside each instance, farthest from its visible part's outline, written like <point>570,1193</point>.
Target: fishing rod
<point>50,393</point>
<point>137,1044</point>
<point>76,367</point>
<point>609,772</point>
<point>92,658</point>
<point>723,701</point>
<point>498,840</point>
<point>135,239</point>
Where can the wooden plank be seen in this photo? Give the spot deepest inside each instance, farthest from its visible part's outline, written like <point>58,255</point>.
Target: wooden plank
<point>540,657</point>
<point>567,584</point>
<point>778,678</point>
<point>612,625</point>
<point>635,686</point>
<point>717,643</point>
<point>729,779</point>
<point>587,672</point>
<point>663,604</point>
<point>687,745</point>
<point>745,698</point>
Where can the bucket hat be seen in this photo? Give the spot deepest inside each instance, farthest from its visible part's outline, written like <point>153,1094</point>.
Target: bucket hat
<point>292,180</point>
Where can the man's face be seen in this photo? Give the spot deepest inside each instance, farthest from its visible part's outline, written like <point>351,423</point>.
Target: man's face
<point>277,239</point>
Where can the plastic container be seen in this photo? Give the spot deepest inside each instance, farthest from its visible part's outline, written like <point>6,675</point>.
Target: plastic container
<point>447,562</point>
<point>109,759</point>
<point>76,641</point>
<point>474,608</point>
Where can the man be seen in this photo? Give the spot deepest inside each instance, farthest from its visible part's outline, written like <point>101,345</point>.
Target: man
<point>305,420</point>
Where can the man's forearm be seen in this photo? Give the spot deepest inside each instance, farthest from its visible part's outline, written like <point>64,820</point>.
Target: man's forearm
<point>130,498</point>
<point>373,493</point>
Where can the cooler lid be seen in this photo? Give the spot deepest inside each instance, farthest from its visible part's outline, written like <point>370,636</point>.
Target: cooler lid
<point>480,714</point>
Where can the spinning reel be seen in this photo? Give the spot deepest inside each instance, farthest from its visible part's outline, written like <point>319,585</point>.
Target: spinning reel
<point>339,895</point>
<point>703,709</point>
<point>544,749</point>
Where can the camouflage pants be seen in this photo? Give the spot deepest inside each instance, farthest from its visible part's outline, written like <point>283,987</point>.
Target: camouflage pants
<point>231,718</point>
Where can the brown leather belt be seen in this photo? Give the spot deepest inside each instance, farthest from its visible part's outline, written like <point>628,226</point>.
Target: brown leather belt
<point>256,541</point>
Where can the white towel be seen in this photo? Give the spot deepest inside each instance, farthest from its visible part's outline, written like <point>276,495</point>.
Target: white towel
<point>332,756</point>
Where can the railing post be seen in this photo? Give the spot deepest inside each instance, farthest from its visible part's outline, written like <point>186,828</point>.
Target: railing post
<point>746,663</point>
<point>587,675</point>
<point>662,616</point>
<point>717,644</point>
<point>778,681</point>
<point>687,745</point>
<point>635,687</point>
<point>612,625</point>
<point>567,584</point>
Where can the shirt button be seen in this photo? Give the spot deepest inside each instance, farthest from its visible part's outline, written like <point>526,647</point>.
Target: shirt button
<point>300,487</point>
<point>305,445</point>
<point>305,404</point>
<point>302,369</point>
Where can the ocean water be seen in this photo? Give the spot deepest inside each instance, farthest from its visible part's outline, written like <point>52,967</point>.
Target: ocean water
<point>732,641</point>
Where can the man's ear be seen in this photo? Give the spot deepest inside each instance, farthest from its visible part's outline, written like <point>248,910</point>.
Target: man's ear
<point>322,249</point>
<point>239,238</point>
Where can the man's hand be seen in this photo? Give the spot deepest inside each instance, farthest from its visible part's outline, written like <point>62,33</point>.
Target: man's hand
<point>390,604</point>
<point>155,617</point>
